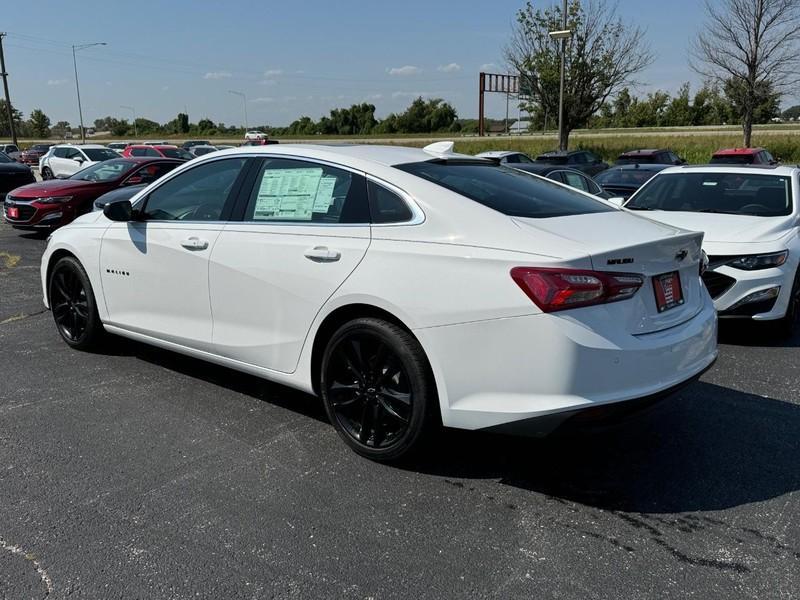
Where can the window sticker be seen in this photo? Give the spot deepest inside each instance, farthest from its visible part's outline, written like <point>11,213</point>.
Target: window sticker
<point>288,194</point>
<point>324,197</point>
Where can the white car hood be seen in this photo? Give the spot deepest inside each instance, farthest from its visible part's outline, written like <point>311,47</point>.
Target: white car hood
<point>725,228</point>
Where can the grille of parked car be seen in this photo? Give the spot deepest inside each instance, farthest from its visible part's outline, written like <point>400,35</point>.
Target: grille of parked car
<point>717,283</point>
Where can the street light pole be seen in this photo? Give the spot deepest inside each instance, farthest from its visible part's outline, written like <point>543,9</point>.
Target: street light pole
<point>244,103</point>
<point>77,86</point>
<point>563,35</point>
<point>133,110</point>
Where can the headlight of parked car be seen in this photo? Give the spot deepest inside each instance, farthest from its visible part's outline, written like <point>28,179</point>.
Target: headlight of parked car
<point>759,261</point>
<point>54,199</point>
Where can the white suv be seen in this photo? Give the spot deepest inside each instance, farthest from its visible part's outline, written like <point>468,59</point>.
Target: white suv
<point>751,220</point>
<point>65,160</point>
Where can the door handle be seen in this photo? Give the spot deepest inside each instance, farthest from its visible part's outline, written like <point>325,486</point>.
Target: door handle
<point>194,243</point>
<point>322,254</point>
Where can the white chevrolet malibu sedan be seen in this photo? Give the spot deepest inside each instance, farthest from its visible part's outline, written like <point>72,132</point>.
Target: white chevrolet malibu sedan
<point>751,221</point>
<point>406,287</point>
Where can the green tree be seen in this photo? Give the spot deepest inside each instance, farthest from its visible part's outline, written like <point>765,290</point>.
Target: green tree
<point>119,127</point>
<point>17,115</point>
<point>679,111</point>
<point>792,113</point>
<point>182,122</point>
<point>762,102</point>
<point>603,55</point>
<point>39,124</point>
<point>206,126</point>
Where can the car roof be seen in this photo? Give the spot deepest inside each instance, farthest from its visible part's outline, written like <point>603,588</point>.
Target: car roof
<point>786,170</point>
<point>643,152</point>
<point>639,167</point>
<point>86,146</point>
<point>737,151</point>
<point>497,153</point>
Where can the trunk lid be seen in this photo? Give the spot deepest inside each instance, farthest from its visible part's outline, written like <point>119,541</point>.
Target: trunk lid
<point>620,242</point>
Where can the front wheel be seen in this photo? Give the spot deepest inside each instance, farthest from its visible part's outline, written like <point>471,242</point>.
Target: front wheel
<point>47,173</point>
<point>73,304</point>
<point>377,389</point>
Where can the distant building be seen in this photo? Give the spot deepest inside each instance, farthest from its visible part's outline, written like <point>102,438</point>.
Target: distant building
<point>520,127</point>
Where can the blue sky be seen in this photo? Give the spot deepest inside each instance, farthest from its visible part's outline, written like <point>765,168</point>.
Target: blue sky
<point>289,58</point>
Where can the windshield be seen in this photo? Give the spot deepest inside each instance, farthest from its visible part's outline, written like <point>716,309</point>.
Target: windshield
<point>4,158</point>
<point>41,148</point>
<point>507,190</point>
<point>98,154</point>
<point>177,153</point>
<point>732,159</point>
<point>752,194</point>
<point>627,177</point>
<point>105,171</point>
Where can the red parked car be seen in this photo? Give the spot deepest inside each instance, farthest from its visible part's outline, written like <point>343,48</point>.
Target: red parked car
<point>56,202</point>
<point>742,156</point>
<point>164,151</point>
<point>32,155</point>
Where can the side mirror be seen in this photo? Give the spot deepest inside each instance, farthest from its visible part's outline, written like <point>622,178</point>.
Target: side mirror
<point>682,161</point>
<point>134,180</point>
<point>617,200</point>
<point>121,210</point>
<point>78,159</point>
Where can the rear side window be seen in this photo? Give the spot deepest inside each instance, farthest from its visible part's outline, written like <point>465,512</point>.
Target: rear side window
<point>506,190</point>
<point>296,191</point>
<point>386,206</point>
<point>60,152</point>
<point>576,181</point>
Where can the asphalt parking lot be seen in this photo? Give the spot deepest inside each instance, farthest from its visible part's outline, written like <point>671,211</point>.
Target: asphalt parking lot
<point>137,473</point>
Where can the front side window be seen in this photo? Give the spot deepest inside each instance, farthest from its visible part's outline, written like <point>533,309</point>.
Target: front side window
<point>296,191</point>
<point>506,190</point>
<point>729,193</point>
<point>198,194</point>
<point>60,152</point>
<point>149,173</point>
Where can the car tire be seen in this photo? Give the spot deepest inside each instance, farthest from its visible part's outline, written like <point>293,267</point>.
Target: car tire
<point>73,305</point>
<point>377,389</point>
<point>47,173</point>
<point>786,326</point>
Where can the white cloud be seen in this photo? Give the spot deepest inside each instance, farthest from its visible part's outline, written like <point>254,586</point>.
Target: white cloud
<point>164,88</point>
<point>57,81</point>
<point>404,71</point>
<point>272,72</point>
<point>413,94</point>
<point>488,67</point>
<point>267,82</point>
<point>451,68</point>
<point>217,75</point>
<point>263,100</point>
<point>375,97</point>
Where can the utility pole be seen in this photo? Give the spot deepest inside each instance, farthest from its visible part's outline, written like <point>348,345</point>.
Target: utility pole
<point>244,104</point>
<point>77,87</point>
<point>562,35</point>
<point>8,97</point>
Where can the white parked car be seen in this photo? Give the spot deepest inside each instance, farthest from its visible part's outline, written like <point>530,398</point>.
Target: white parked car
<point>404,286</point>
<point>751,221</point>
<point>118,147</point>
<point>201,150</point>
<point>255,135</point>
<point>508,157</point>
<point>64,160</point>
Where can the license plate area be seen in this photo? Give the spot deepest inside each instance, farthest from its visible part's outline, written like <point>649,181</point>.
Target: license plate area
<point>668,291</point>
<point>13,212</point>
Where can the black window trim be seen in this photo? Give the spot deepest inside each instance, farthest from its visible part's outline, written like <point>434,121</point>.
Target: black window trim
<point>227,208</point>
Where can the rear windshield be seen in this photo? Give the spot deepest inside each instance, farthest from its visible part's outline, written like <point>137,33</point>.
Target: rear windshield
<point>552,160</point>
<point>507,190</point>
<point>632,177</point>
<point>100,153</point>
<point>730,193</point>
<point>733,159</point>
<point>177,153</point>
<point>632,160</point>
<point>5,158</point>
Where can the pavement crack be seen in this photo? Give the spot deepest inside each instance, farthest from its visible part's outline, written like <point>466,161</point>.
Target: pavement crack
<point>17,551</point>
<point>21,316</point>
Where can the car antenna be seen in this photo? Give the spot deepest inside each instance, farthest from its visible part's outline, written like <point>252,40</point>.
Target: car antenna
<point>440,148</point>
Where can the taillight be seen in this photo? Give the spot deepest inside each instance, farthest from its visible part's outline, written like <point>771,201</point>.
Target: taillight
<point>560,289</point>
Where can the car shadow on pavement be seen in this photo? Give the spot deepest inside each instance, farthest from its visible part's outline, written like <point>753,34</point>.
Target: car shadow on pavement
<point>710,448</point>
<point>748,333</point>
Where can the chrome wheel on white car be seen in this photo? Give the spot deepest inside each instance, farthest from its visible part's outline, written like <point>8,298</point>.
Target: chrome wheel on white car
<point>376,388</point>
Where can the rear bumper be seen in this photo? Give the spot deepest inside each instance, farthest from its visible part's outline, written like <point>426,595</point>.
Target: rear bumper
<point>500,373</point>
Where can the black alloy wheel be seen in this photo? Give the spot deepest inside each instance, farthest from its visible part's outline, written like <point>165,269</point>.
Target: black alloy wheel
<point>377,389</point>
<point>790,323</point>
<point>73,305</point>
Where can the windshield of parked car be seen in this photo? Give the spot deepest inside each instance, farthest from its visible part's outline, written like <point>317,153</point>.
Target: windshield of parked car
<point>105,171</point>
<point>5,158</point>
<point>40,148</point>
<point>99,154</point>
<point>733,159</point>
<point>177,153</point>
<point>507,190</point>
<point>755,194</point>
<point>626,177</point>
